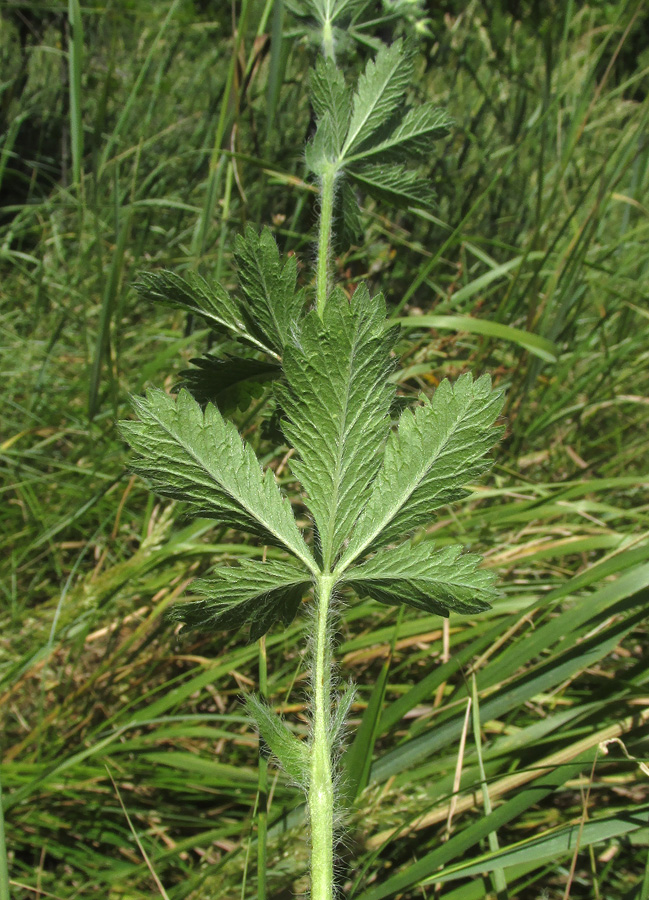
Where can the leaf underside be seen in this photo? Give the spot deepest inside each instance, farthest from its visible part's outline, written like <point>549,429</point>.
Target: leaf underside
<point>289,750</point>
<point>439,581</point>
<point>200,458</point>
<point>258,593</point>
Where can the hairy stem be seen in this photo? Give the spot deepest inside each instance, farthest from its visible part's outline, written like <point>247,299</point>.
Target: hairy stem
<point>321,791</point>
<point>328,48</point>
<point>324,237</point>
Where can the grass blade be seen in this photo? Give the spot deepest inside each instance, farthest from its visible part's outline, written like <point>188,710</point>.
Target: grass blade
<point>75,67</point>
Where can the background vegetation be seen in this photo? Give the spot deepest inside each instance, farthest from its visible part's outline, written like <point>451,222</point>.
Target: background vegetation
<point>145,134</point>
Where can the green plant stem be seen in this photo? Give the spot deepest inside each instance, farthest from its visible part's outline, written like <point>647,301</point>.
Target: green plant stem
<point>324,236</point>
<point>262,812</point>
<point>328,47</point>
<point>4,867</point>
<point>321,792</point>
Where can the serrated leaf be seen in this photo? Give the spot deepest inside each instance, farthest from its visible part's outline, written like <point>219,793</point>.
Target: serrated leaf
<point>433,581</point>
<point>211,302</point>
<point>200,458</point>
<point>379,93</point>
<point>393,183</point>
<point>230,383</point>
<point>337,403</point>
<point>252,592</point>
<point>289,750</point>
<point>411,137</point>
<point>325,10</point>
<point>269,286</point>
<point>329,96</point>
<point>341,711</point>
<point>428,459</point>
<point>321,151</point>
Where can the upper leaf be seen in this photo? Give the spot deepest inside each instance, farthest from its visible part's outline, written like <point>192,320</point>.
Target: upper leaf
<point>212,303</point>
<point>200,458</point>
<point>393,183</point>
<point>337,402</point>
<point>270,287</point>
<point>254,592</point>
<point>333,11</point>
<point>330,96</point>
<point>379,94</point>
<point>435,582</point>
<point>411,136</point>
<point>432,454</point>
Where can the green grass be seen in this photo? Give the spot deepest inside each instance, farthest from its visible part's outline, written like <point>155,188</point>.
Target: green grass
<point>534,267</point>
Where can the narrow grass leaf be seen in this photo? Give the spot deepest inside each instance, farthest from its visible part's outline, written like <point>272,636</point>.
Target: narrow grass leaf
<point>534,343</point>
<point>357,760</point>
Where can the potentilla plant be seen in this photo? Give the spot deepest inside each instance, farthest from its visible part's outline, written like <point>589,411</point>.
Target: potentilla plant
<point>367,481</point>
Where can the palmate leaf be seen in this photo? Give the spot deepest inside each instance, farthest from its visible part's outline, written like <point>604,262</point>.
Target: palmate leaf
<point>433,453</point>
<point>337,403</point>
<point>201,458</point>
<point>433,581</point>
<point>273,301</point>
<point>211,302</point>
<point>379,94</point>
<point>258,593</point>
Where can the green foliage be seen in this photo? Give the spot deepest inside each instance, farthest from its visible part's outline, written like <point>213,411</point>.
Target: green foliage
<point>539,234</point>
<point>362,491</point>
<point>200,458</point>
<point>337,402</point>
<point>368,137</point>
<point>428,459</point>
<point>289,750</point>
<point>254,592</point>
<point>434,582</point>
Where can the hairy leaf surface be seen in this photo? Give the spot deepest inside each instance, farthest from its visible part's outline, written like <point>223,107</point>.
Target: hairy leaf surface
<point>330,96</point>
<point>394,183</point>
<point>289,750</point>
<point>269,286</point>
<point>379,93</point>
<point>211,302</point>
<point>412,136</point>
<point>337,402</point>
<point>433,453</point>
<point>253,592</point>
<point>200,458</point>
<point>433,581</point>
